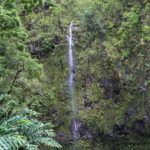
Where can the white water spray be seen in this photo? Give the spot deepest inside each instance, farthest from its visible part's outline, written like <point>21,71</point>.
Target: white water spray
<point>71,80</point>
<point>70,57</point>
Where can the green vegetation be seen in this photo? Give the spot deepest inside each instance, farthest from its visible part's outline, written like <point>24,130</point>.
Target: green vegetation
<point>18,73</point>
<point>112,66</point>
<point>21,130</point>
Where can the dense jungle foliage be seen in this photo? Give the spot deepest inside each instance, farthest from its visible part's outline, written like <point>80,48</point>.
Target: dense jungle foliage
<point>112,74</point>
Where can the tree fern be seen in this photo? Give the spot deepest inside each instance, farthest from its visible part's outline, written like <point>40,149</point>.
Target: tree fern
<point>22,130</point>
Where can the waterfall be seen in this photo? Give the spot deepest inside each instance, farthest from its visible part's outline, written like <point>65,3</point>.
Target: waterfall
<point>71,83</point>
<point>71,59</point>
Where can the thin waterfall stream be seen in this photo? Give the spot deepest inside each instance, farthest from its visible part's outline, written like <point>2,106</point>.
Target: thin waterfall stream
<point>71,84</point>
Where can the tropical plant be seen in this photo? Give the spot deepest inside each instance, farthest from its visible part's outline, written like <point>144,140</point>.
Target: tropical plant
<point>19,129</point>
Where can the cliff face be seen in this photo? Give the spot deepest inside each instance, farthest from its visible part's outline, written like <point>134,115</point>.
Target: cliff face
<point>111,49</point>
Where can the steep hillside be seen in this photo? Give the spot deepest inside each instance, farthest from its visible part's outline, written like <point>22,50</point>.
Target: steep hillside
<point>111,68</point>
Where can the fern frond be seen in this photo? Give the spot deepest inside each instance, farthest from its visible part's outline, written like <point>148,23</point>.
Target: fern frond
<point>48,125</point>
<point>12,142</point>
<point>6,130</point>
<point>10,105</point>
<point>21,130</point>
<point>14,120</point>
<point>28,112</point>
<point>31,147</point>
<point>49,142</point>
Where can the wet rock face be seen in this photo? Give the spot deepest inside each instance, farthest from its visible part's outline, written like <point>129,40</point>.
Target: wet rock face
<point>63,138</point>
<point>111,87</point>
<point>75,128</point>
<point>103,82</point>
<point>84,96</point>
<point>139,127</point>
<point>91,77</point>
<point>129,113</point>
<point>79,129</point>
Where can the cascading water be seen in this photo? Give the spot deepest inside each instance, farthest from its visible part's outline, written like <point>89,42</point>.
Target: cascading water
<point>71,84</point>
